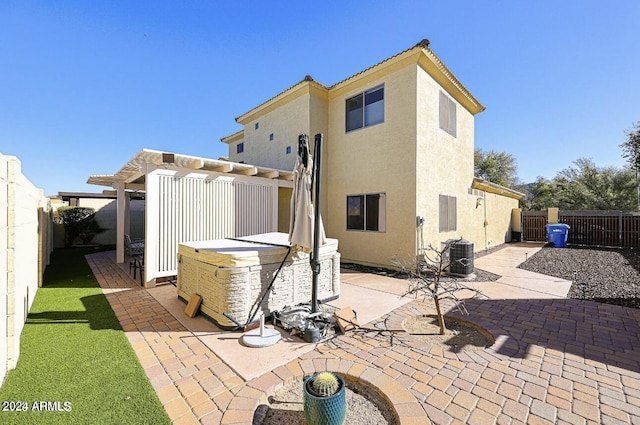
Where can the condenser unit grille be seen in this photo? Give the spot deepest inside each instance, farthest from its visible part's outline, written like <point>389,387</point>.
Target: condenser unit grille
<point>461,257</point>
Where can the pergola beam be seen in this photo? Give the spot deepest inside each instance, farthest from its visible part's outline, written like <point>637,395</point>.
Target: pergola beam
<point>225,168</point>
<point>249,171</point>
<point>196,164</point>
<point>268,174</point>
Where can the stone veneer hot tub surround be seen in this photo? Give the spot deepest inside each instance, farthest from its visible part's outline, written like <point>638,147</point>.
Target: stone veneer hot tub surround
<point>231,275</point>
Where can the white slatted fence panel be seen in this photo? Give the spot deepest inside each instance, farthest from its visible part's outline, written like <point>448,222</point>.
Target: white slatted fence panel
<point>193,209</point>
<point>254,209</point>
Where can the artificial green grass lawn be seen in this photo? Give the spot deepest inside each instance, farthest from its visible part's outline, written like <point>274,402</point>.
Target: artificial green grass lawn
<point>73,351</point>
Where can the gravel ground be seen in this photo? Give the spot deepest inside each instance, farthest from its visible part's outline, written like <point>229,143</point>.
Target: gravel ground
<point>477,276</point>
<point>609,276</point>
<point>364,407</point>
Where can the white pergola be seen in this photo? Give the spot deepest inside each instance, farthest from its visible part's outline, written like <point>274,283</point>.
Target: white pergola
<point>189,198</point>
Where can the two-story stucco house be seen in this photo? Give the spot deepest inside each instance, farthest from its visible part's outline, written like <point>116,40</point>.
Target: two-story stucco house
<point>397,157</point>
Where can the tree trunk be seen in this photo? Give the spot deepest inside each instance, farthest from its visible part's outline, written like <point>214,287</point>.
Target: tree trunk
<point>443,328</point>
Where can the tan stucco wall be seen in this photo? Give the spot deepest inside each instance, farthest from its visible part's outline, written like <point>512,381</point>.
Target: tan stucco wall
<point>286,123</point>
<point>375,159</point>
<point>444,164</point>
<point>319,123</point>
<point>284,208</point>
<point>305,114</point>
<point>553,214</point>
<point>493,209</point>
<point>407,157</point>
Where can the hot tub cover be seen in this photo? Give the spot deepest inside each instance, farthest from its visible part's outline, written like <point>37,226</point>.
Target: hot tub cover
<point>249,251</point>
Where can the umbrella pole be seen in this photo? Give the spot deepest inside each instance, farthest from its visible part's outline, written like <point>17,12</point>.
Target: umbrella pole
<point>315,263</point>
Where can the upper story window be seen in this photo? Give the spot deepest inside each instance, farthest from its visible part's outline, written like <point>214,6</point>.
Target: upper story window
<point>240,147</point>
<point>447,114</point>
<point>288,150</point>
<point>365,109</point>
<point>257,126</point>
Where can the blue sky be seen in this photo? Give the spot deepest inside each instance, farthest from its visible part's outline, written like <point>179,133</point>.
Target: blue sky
<point>85,85</point>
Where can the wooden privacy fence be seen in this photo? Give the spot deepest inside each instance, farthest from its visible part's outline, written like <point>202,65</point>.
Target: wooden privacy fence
<point>533,223</point>
<point>620,229</point>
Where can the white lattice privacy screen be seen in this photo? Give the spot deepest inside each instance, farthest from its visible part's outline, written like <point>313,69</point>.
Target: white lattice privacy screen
<point>200,207</point>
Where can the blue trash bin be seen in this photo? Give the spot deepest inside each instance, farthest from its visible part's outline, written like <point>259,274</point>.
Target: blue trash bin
<point>557,234</point>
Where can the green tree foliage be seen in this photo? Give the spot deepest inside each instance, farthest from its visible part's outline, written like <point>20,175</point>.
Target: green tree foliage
<point>540,194</point>
<point>584,186</point>
<point>77,221</point>
<point>631,148</point>
<point>631,152</point>
<point>496,167</point>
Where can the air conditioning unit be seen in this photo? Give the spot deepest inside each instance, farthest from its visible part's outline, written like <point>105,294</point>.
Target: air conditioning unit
<point>458,257</point>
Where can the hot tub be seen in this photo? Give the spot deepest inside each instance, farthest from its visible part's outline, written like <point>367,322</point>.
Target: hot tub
<point>231,275</point>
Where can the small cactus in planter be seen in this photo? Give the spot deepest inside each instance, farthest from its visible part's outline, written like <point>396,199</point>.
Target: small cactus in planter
<point>325,400</point>
<point>325,384</point>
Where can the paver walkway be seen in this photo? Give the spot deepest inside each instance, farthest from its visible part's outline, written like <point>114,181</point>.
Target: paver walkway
<point>555,361</point>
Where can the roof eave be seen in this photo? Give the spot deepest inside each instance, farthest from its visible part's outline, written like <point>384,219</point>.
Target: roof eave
<point>497,189</point>
<point>308,85</point>
<point>432,64</point>
<point>428,61</point>
<point>235,137</point>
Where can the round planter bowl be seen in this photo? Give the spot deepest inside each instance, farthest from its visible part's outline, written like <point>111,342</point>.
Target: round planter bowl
<point>330,410</point>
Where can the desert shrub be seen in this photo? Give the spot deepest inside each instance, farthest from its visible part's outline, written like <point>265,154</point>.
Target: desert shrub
<point>77,221</point>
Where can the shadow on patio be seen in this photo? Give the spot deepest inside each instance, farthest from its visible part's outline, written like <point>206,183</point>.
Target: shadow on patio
<point>589,330</point>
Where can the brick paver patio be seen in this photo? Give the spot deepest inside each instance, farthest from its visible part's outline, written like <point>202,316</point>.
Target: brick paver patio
<point>555,361</point>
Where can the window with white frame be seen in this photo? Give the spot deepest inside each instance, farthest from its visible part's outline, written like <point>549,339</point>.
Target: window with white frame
<point>448,213</point>
<point>367,212</point>
<point>365,109</point>
<point>447,114</point>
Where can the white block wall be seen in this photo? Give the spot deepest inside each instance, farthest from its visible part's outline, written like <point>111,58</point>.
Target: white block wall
<point>25,244</point>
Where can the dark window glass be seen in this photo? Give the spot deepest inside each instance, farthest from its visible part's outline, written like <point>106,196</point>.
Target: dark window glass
<point>365,109</point>
<point>355,112</point>
<point>240,147</point>
<point>373,212</point>
<point>366,212</point>
<point>355,212</point>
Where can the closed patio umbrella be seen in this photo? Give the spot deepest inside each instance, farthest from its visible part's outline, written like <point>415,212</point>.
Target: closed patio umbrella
<point>302,211</point>
<point>306,232</point>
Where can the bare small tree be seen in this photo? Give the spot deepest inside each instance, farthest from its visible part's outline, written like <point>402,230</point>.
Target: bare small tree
<point>429,277</point>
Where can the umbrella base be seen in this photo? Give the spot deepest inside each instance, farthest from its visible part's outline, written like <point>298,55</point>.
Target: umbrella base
<point>258,338</point>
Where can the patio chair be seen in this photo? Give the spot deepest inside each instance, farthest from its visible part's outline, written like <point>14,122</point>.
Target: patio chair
<point>138,265</point>
<point>133,247</point>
